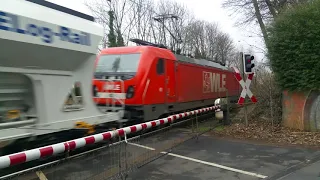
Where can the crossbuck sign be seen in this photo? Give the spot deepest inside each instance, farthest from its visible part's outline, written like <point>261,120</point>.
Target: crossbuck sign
<point>245,86</point>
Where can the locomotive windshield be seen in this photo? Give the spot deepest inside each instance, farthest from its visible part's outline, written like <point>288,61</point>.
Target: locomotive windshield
<point>118,63</point>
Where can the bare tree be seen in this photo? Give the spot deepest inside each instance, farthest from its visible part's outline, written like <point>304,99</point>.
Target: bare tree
<point>195,39</point>
<point>224,46</point>
<point>261,11</point>
<point>135,19</point>
<point>171,30</point>
<point>205,40</point>
<point>120,8</point>
<point>250,11</point>
<point>211,34</point>
<point>139,16</point>
<point>260,19</point>
<point>234,59</point>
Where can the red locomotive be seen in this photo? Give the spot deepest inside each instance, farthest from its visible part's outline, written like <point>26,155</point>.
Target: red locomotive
<point>151,81</point>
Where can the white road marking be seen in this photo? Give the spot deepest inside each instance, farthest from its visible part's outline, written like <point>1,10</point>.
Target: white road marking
<point>142,146</point>
<point>41,176</point>
<point>204,162</point>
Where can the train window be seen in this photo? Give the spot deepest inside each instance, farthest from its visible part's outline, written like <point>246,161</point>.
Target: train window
<point>160,66</point>
<point>119,63</point>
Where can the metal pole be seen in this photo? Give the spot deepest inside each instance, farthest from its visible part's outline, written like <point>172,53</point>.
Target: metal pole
<point>120,166</point>
<point>119,157</point>
<point>213,120</point>
<point>192,125</point>
<point>125,156</point>
<point>245,102</point>
<point>197,127</point>
<point>228,121</point>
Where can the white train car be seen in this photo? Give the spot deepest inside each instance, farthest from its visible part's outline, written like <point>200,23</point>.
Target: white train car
<point>47,60</point>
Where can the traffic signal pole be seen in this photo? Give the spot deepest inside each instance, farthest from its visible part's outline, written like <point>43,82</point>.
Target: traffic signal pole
<point>243,75</point>
<point>246,68</point>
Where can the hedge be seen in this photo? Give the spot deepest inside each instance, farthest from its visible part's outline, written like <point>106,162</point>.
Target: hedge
<point>294,47</point>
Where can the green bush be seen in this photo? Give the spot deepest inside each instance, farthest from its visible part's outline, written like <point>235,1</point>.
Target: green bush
<point>294,47</point>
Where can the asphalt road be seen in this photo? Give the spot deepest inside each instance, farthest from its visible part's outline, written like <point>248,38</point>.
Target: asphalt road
<point>238,160</point>
<point>310,172</point>
<point>206,158</point>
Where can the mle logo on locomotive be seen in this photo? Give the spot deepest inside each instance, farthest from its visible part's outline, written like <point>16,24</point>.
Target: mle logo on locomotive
<point>213,82</point>
<point>114,87</point>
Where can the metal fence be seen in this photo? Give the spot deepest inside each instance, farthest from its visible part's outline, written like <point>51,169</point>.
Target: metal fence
<point>117,159</point>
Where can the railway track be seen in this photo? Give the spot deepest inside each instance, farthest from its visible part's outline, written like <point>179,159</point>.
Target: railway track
<point>18,170</point>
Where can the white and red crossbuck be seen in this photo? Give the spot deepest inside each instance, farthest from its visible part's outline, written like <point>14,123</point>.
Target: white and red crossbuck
<point>245,86</point>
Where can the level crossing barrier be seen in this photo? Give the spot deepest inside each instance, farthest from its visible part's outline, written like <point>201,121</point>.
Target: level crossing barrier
<point>116,158</point>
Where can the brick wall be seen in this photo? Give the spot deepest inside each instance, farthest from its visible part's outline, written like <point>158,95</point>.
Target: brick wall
<point>293,106</point>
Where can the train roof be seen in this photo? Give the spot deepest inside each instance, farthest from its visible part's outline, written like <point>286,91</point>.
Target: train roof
<point>179,57</point>
<point>167,52</point>
<point>202,62</point>
<point>43,35</point>
<point>62,9</point>
<point>123,49</point>
<point>48,24</point>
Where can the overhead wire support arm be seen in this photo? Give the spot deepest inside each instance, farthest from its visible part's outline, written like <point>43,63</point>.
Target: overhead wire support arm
<point>146,43</point>
<point>162,18</point>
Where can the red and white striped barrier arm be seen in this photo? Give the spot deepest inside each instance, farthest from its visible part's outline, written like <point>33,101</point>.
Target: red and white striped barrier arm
<point>245,86</point>
<point>34,154</point>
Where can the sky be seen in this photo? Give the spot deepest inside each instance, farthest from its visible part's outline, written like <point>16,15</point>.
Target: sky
<point>209,10</point>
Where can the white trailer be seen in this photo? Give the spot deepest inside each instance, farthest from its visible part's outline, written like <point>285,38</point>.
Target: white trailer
<point>47,54</point>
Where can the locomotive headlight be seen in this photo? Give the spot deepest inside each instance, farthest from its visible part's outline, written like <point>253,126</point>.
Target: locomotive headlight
<point>130,92</point>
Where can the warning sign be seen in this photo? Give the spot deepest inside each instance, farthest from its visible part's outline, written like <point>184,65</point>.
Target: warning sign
<point>74,100</point>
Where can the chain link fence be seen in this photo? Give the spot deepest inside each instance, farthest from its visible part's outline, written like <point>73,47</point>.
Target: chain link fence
<point>123,155</point>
